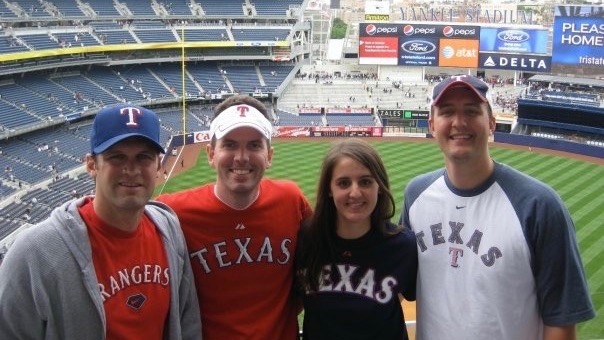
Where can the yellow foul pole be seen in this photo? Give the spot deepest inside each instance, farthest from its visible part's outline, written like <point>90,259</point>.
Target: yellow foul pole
<point>184,90</point>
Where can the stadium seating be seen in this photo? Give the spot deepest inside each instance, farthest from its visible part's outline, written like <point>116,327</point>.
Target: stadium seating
<point>208,76</point>
<point>274,75</point>
<point>68,8</point>
<point>271,7</point>
<point>62,97</point>
<point>177,7</point>
<point>139,8</point>
<point>349,120</point>
<point>155,35</point>
<point>103,7</point>
<point>172,77</point>
<point>244,33</point>
<point>244,78</point>
<point>114,84</point>
<point>39,41</point>
<point>86,91</point>
<point>5,12</point>
<point>289,119</point>
<point>147,80</point>
<point>76,39</point>
<point>221,7</point>
<point>12,117</point>
<point>9,44</point>
<point>5,191</point>
<point>32,8</point>
<point>205,34</point>
<point>7,226</point>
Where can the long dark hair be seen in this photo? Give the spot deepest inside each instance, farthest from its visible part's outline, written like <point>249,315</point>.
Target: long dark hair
<point>317,243</point>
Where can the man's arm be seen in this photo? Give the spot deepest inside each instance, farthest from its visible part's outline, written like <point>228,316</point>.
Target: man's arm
<point>18,312</point>
<point>559,332</point>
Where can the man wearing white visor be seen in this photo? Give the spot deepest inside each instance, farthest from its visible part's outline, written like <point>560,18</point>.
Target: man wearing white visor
<point>241,231</point>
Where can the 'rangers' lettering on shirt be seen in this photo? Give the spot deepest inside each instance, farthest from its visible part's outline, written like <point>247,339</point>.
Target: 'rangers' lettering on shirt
<point>137,275</point>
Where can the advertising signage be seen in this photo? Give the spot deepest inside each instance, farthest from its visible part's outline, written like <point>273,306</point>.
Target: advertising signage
<point>578,40</point>
<point>404,114</point>
<point>458,53</point>
<point>441,31</point>
<point>439,45</point>
<point>528,63</point>
<point>378,50</point>
<point>412,44</point>
<point>378,44</point>
<point>379,30</point>
<point>513,40</point>
<point>418,52</point>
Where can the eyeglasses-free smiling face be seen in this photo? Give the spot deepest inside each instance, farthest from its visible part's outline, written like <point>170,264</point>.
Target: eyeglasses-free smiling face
<point>355,194</point>
<point>125,175</point>
<point>461,124</point>
<point>240,159</point>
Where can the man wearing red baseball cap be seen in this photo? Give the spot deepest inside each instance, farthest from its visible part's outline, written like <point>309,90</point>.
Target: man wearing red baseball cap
<point>498,255</point>
<point>109,266</point>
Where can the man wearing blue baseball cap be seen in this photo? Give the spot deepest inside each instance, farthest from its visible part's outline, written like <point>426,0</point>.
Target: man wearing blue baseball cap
<point>113,265</point>
<point>498,255</point>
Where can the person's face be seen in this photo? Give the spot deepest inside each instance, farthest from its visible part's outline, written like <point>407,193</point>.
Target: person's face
<point>355,193</point>
<point>125,175</point>
<point>462,125</point>
<point>240,159</point>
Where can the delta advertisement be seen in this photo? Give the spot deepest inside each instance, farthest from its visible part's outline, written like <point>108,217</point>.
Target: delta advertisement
<point>513,48</point>
<point>527,63</point>
<point>578,40</point>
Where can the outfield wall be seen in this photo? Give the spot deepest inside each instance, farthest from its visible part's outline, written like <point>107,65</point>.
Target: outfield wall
<point>372,131</point>
<point>553,144</point>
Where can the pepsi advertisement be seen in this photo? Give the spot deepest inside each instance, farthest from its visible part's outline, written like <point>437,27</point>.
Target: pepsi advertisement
<point>578,40</point>
<point>382,30</point>
<point>441,31</point>
<point>513,40</point>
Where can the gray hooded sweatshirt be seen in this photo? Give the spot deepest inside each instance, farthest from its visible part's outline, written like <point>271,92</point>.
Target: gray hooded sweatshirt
<point>49,289</point>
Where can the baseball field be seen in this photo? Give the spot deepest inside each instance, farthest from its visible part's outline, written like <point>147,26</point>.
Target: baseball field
<point>579,181</point>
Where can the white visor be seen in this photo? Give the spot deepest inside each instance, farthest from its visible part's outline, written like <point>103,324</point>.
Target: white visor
<point>240,116</point>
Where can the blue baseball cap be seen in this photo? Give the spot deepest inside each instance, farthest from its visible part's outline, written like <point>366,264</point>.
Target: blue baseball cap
<point>479,87</point>
<point>115,123</point>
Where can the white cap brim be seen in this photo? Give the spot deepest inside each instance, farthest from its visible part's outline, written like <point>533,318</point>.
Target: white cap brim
<point>238,116</point>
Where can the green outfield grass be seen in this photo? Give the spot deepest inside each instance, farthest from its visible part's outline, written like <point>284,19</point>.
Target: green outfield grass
<point>580,184</point>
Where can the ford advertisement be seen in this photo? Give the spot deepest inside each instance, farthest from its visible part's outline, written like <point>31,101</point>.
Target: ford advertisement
<point>513,40</point>
<point>418,51</point>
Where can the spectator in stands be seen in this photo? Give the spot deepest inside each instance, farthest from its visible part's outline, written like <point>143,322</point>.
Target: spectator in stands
<point>490,238</point>
<point>241,231</point>
<point>351,229</point>
<point>108,266</point>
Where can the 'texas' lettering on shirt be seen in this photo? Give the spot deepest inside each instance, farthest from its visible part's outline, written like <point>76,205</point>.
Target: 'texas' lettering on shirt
<point>456,252</point>
<point>137,275</point>
<point>339,278</point>
<point>226,256</point>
